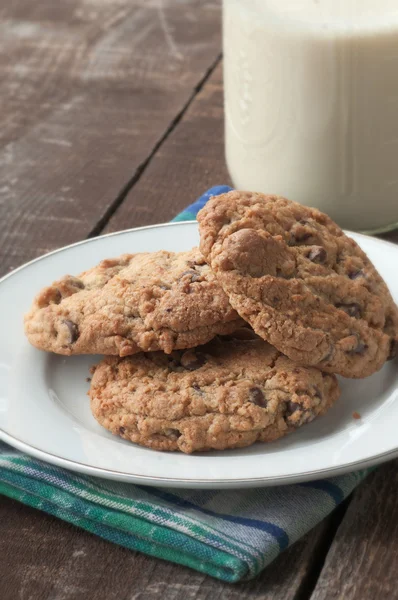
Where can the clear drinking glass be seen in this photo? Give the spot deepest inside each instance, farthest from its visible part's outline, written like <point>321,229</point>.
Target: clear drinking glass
<point>311,104</point>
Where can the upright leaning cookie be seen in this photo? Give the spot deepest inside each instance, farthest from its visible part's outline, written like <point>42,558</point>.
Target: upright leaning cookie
<point>300,282</point>
<point>228,393</point>
<point>152,301</point>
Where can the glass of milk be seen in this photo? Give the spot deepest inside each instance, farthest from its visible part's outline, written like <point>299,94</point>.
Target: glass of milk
<point>311,104</point>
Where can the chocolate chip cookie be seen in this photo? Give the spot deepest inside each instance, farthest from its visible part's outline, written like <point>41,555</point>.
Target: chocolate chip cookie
<point>301,283</point>
<point>150,301</point>
<point>229,393</point>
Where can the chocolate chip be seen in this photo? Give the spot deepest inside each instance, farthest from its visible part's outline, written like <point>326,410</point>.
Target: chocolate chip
<point>292,407</point>
<point>197,389</point>
<point>57,296</point>
<point>356,274</point>
<point>353,309</point>
<point>389,328</point>
<point>256,396</point>
<point>192,360</point>
<point>393,349</point>
<point>389,322</point>
<point>317,392</point>
<point>360,347</point>
<point>73,330</point>
<point>72,282</point>
<point>317,254</point>
<point>329,354</point>
<point>122,430</point>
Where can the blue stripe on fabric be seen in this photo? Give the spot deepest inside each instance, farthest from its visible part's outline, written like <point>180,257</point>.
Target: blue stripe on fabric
<point>185,216</point>
<point>191,211</point>
<point>334,491</point>
<point>277,532</point>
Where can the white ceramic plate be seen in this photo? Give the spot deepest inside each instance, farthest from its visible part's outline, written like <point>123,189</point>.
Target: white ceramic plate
<point>44,409</point>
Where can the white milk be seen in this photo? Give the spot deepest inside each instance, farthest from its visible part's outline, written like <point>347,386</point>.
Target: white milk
<point>311,104</point>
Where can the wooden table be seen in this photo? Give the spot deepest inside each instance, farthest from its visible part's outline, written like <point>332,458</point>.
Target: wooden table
<point>112,117</point>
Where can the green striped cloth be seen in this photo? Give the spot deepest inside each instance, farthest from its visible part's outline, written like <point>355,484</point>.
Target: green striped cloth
<point>230,534</point>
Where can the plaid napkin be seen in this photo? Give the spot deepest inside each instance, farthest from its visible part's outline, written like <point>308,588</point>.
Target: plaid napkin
<point>230,534</point>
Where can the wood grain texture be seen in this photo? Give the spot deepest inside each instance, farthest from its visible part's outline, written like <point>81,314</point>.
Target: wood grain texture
<point>190,161</point>
<point>88,88</point>
<point>363,560</point>
<point>47,559</point>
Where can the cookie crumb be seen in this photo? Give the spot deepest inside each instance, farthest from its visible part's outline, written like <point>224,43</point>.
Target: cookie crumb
<point>88,379</point>
<point>356,415</point>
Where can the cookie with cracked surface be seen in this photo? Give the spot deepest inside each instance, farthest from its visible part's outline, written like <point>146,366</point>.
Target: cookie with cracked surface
<point>150,301</point>
<point>228,393</point>
<point>300,282</point>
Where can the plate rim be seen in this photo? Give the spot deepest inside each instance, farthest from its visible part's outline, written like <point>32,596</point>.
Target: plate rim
<point>150,480</point>
<point>87,469</point>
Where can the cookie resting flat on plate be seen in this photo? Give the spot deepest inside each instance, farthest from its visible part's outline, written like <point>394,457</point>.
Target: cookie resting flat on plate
<point>301,283</point>
<point>229,393</point>
<point>150,301</point>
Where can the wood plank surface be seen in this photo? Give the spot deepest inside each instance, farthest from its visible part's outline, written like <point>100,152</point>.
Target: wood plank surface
<point>189,162</point>
<point>88,88</point>
<point>363,560</point>
<point>47,559</point>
